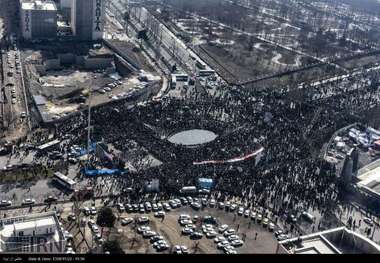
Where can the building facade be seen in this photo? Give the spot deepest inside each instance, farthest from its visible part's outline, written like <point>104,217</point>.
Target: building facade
<point>38,19</point>
<point>33,233</point>
<point>87,19</point>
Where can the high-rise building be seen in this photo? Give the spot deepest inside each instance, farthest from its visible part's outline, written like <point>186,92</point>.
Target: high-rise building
<point>38,19</point>
<point>87,19</point>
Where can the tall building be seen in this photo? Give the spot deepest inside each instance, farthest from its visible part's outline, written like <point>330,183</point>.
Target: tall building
<point>87,19</point>
<point>38,19</point>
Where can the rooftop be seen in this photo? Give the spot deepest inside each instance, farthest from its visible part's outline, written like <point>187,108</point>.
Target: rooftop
<point>10,241</point>
<point>39,5</point>
<point>369,177</point>
<point>334,241</point>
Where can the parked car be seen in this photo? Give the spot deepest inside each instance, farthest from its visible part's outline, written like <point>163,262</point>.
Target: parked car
<point>5,203</point>
<point>28,201</point>
<point>126,221</point>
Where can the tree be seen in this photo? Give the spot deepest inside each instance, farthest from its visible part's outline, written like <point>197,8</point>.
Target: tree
<point>106,218</point>
<point>113,247</point>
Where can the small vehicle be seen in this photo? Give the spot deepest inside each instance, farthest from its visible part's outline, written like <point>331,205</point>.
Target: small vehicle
<point>120,207</point>
<point>237,242</point>
<point>187,231</point>
<point>93,210</point>
<point>143,220</point>
<point>28,201</point>
<point>229,232</point>
<point>71,217</point>
<point>196,235</point>
<point>5,203</point>
<point>368,221</point>
<point>126,221</point>
<point>219,239</point>
<point>86,211</point>
<point>159,214</point>
<point>149,234</point>
<point>95,229</point>
<point>141,229</point>
<point>222,228</point>
<point>247,213</point>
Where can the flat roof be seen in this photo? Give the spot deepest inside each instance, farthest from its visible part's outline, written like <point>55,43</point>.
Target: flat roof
<point>39,99</point>
<point>39,5</point>
<point>8,230</point>
<point>369,177</point>
<point>315,246</point>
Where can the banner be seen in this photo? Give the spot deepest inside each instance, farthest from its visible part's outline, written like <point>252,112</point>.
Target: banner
<point>234,160</point>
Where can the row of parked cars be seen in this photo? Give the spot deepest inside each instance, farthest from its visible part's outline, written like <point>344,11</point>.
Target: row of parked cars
<point>227,241</point>
<point>196,204</point>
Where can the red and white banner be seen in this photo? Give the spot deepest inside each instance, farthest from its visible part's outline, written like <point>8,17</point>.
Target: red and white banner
<point>233,160</point>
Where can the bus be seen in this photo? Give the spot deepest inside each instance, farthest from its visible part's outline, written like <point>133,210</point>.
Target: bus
<point>205,73</point>
<point>48,145</point>
<point>188,190</point>
<point>64,181</point>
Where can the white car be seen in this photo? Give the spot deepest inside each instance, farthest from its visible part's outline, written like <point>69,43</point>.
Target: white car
<point>211,234</point>
<point>237,242</point>
<point>259,218</point>
<point>271,226</point>
<point>229,232</point>
<point>95,229</point>
<point>187,231</point>
<point>141,229</point>
<point>219,239</point>
<point>265,222</point>
<point>232,237</point>
<point>120,207</point>
<point>240,211</point>
<point>185,250</point>
<point>143,220</point>
<point>93,210</point>
<point>222,228</point>
<point>177,249</point>
<point>159,214</point>
<point>246,213</point>
<point>149,234</point>
<point>222,244</point>
<point>28,201</point>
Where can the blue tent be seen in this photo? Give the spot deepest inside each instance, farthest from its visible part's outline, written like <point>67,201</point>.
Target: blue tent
<point>96,172</point>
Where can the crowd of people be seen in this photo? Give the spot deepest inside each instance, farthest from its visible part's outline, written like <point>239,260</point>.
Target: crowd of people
<point>289,176</point>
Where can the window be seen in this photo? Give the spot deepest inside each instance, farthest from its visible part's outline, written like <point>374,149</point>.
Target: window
<point>21,233</point>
